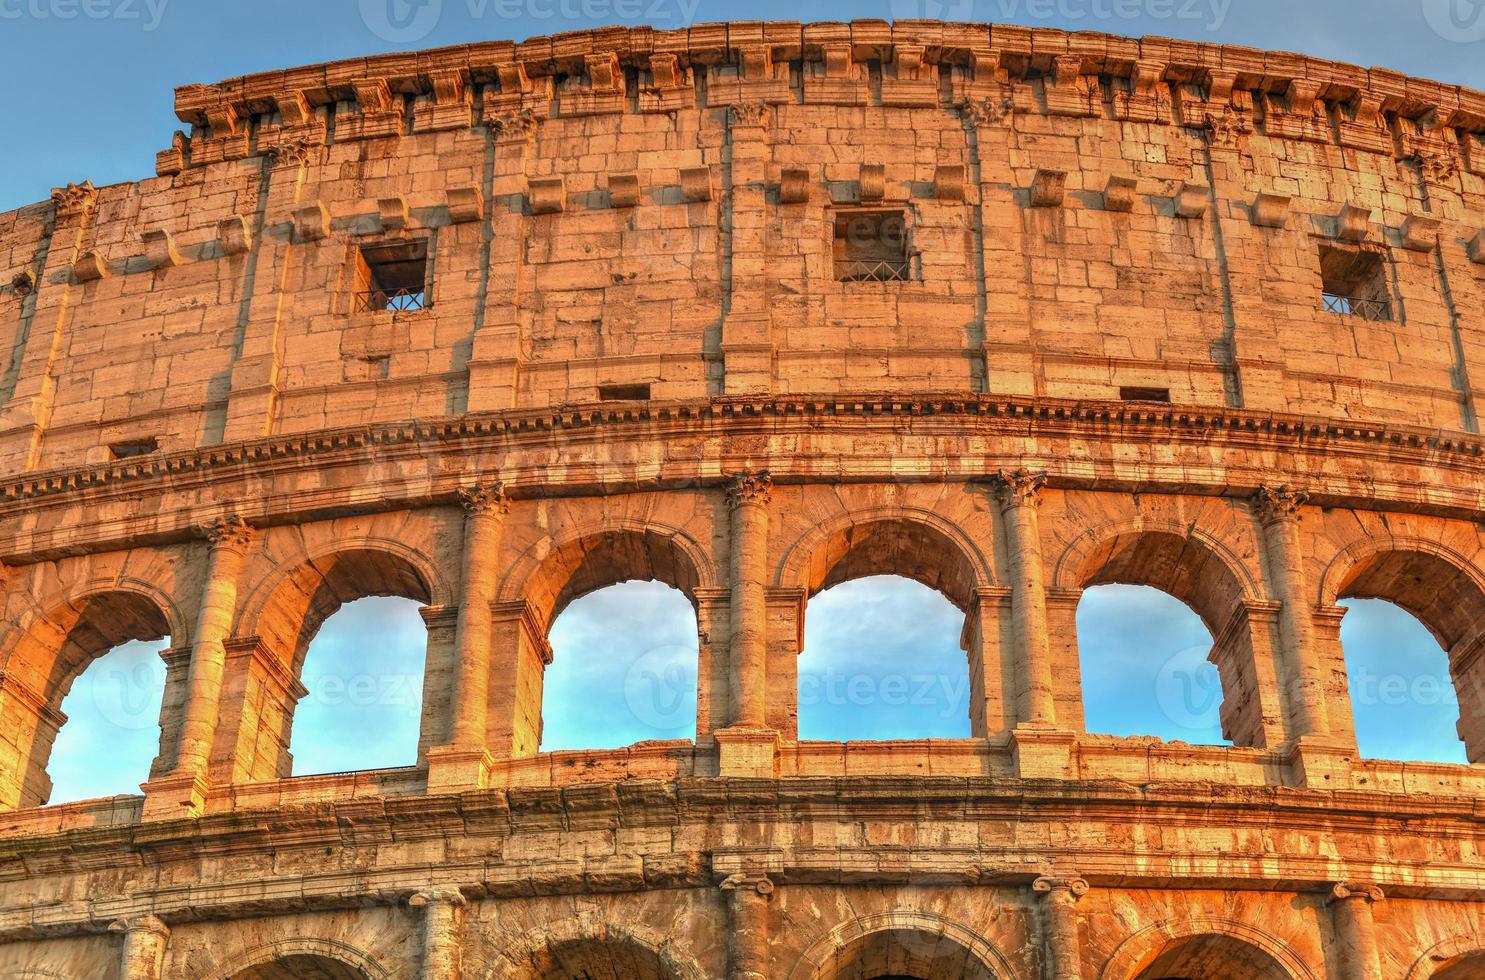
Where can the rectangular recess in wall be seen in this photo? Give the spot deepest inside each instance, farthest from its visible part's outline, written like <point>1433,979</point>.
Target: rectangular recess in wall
<point>1145,395</point>
<point>624,393</point>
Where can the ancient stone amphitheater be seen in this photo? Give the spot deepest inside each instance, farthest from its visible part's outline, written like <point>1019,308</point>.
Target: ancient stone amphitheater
<point>754,309</point>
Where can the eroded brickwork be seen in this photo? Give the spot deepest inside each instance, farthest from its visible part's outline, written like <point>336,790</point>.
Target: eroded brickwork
<point>1084,341</point>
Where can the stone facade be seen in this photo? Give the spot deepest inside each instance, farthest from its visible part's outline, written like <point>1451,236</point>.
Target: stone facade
<point>635,344</point>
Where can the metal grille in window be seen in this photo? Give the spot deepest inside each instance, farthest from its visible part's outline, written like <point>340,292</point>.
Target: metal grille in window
<point>392,276</point>
<point>1367,309</point>
<point>883,271</point>
<point>397,300</point>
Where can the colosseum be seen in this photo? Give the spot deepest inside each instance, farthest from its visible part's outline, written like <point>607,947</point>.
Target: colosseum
<point>754,309</point>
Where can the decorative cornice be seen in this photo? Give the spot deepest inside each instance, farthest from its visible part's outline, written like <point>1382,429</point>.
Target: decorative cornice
<point>484,499</point>
<point>1018,488</point>
<point>1282,503</point>
<point>749,488</point>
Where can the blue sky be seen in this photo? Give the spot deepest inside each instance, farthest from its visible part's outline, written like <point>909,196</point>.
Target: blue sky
<point>94,82</point>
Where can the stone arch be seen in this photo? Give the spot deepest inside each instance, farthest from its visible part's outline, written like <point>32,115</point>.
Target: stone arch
<point>1443,589</point>
<point>1452,954</point>
<point>259,962</point>
<point>551,953</point>
<point>555,571</point>
<point>51,644</point>
<point>907,541</point>
<point>1229,939</point>
<point>283,613</point>
<point>924,943</point>
<point>1181,560</point>
<point>1201,571</point>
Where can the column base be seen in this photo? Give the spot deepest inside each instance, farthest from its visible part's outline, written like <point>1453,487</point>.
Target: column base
<point>747,752</point>
<point>1043,753</point>
<point>1320,763</point>
<point>175,796</point>
<point>453,769</point>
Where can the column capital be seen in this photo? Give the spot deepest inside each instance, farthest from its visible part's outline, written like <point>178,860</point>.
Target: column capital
<point>75,199</point>
<point>229,531</point>
<point>149,924</point>
<point>1281,503</point>
<point>747,114</point>
<point>1052,887</point>
<point>484,499</point>
<point>986,112</point>
<point>749,488</point>
<point>447,895</point>
<point>748,881</point>
<point>1016,488</point>
<point>1343,891</point>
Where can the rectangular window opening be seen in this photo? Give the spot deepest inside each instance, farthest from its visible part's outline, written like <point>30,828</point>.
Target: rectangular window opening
<point>130,448</point>
<point>392,276</point>
<point>1354,283</point>
<point>871,246</point>
<point>1144,395</point>
<point>624,393</point>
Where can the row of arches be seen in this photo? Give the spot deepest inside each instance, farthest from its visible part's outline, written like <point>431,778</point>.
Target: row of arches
<point>896,945</point>
<point>566,598</point>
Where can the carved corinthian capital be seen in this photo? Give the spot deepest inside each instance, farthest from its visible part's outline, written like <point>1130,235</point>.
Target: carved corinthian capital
<point>75,200</point>
<point>1281,503</point>
<point>1017,488</point>
<point>987,112</point>
<point>482,499</point>
<point>230,531</point>
<point>748,113</point>
<point>746,881</point>
<point>750,488</point>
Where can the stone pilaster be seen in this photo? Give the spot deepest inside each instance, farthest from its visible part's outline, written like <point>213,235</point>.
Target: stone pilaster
<point>747,341</point>
<point>746,742</point>
<point>182,791</point>
<point>464,762</point>
<point>142,946</point>
<point>1019,495</point>
<point>443,919</point>
<point>1061,946</point>
<point>1355,930</point>
<point>747,912</point>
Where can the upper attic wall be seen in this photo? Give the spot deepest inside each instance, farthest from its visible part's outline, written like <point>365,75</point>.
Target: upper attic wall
<point>629,213</point>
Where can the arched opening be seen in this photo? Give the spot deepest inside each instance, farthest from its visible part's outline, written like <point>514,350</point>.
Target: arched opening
<point>1468,967</point>
<point>883,659</point>
<point>910,953</point>
<point>369,665</point>
<point>1146,667</point>
<point>892,640</point>
<point>1403,607</point>
<point>302,967</point>
<point>1162,643</point>
<point>624,669</point>
<point>1212,957</point>
<point>363,677</point>
<point>592,959</point>
<point>613,651</point>
<point>111,738</point>
<point>1402,697</point>
<point>40,671</point>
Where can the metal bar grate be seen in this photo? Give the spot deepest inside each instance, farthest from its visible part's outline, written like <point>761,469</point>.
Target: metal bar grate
<point>1367,309</point>
<point>885,271</point>
<point>398,301</point>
